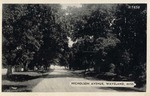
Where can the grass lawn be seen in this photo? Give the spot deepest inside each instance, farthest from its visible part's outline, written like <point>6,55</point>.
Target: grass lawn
<point>21,81</point>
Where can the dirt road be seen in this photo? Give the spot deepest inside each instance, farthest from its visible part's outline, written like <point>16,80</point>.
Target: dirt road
<point>59,81</point>
<point>56,80</point>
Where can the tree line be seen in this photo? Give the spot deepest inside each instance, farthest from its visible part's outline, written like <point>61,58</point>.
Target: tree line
<point>108,38</point>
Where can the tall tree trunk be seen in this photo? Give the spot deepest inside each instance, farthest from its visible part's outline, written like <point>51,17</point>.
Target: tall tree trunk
<point>26,67</point>
<point>9,70</point>
<point>97,68</point>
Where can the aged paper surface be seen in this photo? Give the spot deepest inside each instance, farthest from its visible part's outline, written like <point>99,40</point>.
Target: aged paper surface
<point>76,83</point>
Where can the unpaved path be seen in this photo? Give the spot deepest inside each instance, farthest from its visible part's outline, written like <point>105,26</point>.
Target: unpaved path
<point>59,81</point>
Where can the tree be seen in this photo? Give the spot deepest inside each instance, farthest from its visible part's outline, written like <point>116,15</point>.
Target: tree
<point>11,47</point>
<point>27,30</point>
<point>94,34</point>
<point>130,26</point>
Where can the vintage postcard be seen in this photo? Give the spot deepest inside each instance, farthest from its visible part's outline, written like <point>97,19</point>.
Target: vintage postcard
<point>74,48</point>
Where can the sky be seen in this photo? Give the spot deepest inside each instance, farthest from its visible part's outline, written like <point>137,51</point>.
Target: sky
<point>64,6</point>
<point>70,42</point>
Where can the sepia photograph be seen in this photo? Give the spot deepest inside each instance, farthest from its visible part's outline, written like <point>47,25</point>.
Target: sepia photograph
<point>74,47</point>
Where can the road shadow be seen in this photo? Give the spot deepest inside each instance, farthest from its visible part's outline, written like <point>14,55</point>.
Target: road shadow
<point>122,89</point>
<point>19,77</point>
<point>15,88</point>
<point>22,81</point>
<point>25,76</point>
<point>61,76</point>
